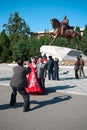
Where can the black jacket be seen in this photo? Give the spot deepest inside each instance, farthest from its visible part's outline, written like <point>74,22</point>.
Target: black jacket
<point>19,78</point>
<point>50,64</point>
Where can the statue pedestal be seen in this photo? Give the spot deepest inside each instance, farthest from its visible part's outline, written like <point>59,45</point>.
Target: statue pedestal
<point>62,53</point>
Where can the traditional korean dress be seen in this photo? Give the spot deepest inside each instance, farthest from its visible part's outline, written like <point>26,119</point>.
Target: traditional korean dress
<point>33,85</point>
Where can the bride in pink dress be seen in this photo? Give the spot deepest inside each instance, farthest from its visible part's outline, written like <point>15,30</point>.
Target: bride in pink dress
<point>33,84</point>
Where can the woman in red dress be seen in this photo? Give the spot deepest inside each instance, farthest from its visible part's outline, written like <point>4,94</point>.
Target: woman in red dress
<point>33,85</point>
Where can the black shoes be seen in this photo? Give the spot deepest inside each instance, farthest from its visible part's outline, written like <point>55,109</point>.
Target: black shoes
<point>12,104</point>
<point>26,110</point>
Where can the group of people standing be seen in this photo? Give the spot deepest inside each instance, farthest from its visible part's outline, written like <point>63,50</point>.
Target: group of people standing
<point>39,69</point>
<point>36,79</point>
<point>31,79</point>
<point>79,67</point>
<point>52,66</point>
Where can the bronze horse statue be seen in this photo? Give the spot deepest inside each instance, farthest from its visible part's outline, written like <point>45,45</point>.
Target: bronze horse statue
<point>69,33</point>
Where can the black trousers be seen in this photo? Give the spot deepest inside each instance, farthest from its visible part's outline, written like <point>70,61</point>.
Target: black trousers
<point>50,74</point>
<point>56,74</point>
<point>23,93</point>
<point>76,74</point>
<point>42,83</point>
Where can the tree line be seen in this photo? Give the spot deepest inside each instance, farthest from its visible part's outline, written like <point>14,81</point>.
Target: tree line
<point>16,40</point>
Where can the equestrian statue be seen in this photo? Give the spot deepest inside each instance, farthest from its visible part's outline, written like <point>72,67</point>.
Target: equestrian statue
<point>62,29</point>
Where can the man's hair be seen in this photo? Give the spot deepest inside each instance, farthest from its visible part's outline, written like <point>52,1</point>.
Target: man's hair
<point>50,57</point>
<point>80,56</point>
<point>20,62</point>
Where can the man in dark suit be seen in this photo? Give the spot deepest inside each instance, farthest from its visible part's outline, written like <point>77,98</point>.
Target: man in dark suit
<point>56,69</point>
<point>18,83</point>
<point>50,65</point>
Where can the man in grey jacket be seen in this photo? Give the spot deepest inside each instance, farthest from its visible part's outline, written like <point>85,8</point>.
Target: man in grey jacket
<point>19,83</point>
<point>41,73</point>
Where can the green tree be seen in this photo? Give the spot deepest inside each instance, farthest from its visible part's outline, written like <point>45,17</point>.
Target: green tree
<point>60,42</point>
<point>16,28</point>
<point>45,40</point>
<point>83,44</point>
<point>34,44</point>
<point>26,48</point>
<point>22,50</point>
<point>4,39</point>
<point>77,29</point>
<point>4,47</point>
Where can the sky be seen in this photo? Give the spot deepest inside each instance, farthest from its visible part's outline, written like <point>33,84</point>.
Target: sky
<point>38,13</point>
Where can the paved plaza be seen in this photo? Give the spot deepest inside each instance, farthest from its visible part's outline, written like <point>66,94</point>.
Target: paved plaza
<point>67,83</point>
<point>63,107</point>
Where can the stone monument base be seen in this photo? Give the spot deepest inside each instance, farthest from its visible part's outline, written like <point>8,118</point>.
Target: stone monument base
<point>63,53</point>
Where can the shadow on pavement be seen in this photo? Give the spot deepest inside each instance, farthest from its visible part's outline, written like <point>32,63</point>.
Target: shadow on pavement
<point>46,102</point>
<point>70,78</point>
<point>39,103</point>
<point>54,88</point>
<point>50,102</point>
<point>7,106</point>
<point>7,78</point>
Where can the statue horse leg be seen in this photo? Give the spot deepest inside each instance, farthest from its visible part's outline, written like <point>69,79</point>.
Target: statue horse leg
<point>68,42</point>
<point>75,40</point>
<point>76,43</point>
<point>54,38</point>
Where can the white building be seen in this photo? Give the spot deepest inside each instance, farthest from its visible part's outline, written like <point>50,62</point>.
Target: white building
<point>42,33</point>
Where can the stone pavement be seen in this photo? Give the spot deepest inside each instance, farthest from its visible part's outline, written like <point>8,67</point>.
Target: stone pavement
<point>65,109</point>
<point>67,83</point>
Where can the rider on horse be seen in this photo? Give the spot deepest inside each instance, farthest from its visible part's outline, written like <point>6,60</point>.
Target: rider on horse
<point>65,25</point>
<point>67,31</point>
